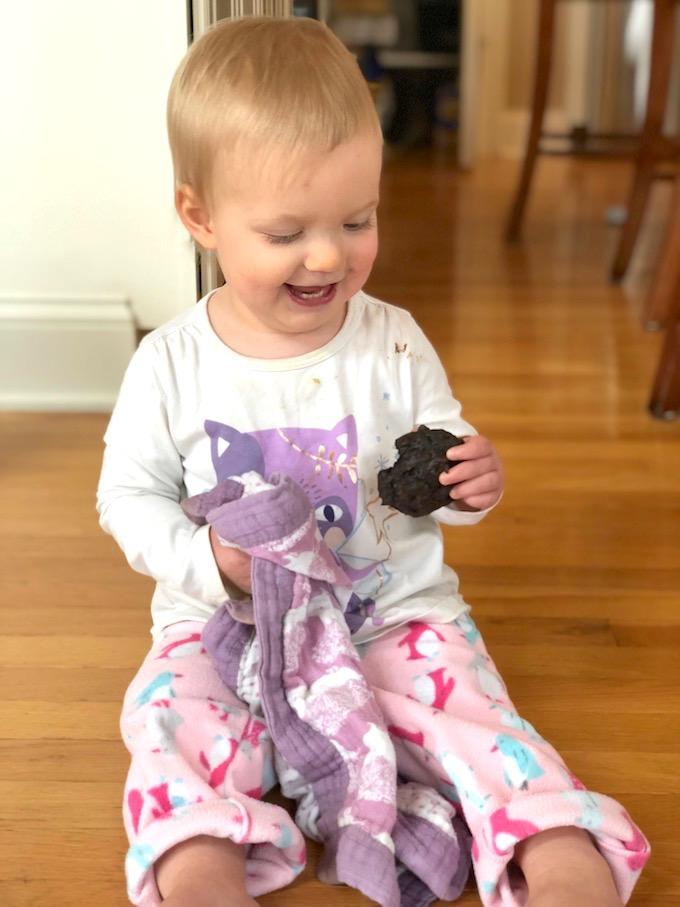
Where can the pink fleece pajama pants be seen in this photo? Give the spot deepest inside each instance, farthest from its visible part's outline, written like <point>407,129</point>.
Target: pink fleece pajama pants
<point>201,762</point>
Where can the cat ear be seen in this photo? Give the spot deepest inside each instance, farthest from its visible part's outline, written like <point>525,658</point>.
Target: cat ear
<point>233,452</point>
<point>345,433</point>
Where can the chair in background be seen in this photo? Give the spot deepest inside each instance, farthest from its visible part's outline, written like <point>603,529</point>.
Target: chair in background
<point>655,150</point>
<point>651,150</point>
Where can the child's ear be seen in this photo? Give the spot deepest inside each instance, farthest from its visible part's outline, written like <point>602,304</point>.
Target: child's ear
<point>195,216</point>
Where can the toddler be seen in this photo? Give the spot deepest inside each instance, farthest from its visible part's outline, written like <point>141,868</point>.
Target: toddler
<point>290,368</point>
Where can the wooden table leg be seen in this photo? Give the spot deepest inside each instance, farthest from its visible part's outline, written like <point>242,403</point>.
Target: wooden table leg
<point>545,41</point>
<point>648,152</point>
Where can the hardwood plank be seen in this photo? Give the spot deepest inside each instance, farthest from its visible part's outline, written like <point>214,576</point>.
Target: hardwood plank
<point>504,579</point>
<point>83,888</point>
<point>69,856</point>
<point>62,651</point>
<point>45,721</point>
<point>636,731</point>
<point>57,685</point>
<point>69,759</point>
<point>75,616</point>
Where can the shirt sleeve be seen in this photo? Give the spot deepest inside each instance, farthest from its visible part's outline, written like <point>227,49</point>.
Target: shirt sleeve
<point>141,486</point>
<point>436,407</point>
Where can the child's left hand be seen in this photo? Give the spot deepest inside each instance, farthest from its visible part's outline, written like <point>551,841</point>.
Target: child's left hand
<point>478,479</point>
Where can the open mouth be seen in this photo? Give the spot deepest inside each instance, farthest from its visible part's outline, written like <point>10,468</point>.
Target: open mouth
<point>312,296</point>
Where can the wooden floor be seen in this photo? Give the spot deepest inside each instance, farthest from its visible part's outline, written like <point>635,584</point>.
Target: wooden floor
<point>575,579</point>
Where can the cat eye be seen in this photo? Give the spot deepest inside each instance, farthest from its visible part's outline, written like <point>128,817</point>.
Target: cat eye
<point>328,513</point>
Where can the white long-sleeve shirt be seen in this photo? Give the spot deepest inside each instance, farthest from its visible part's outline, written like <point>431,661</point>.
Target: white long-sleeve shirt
<point>192,412</point>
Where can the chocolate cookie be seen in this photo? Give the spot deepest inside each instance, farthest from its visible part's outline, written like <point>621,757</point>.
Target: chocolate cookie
<point>412,485</point>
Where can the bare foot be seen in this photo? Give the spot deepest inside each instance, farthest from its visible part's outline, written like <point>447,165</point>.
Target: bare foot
<point>563,868</point>
<point>204,872</point>
<point>570,892</point>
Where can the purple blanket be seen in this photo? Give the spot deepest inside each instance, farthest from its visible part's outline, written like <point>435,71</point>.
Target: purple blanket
<point>397,843</point>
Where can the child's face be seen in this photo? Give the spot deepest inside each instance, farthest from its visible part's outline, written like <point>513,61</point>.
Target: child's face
<point>294,250</point>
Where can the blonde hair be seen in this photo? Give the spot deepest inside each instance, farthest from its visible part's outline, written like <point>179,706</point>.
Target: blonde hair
<point>261,85</point>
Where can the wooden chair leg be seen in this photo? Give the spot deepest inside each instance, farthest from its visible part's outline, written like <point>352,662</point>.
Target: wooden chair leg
<point>647,156</point>
<point>666,281</point>
<point>545,41</point>
<point>665,399</point>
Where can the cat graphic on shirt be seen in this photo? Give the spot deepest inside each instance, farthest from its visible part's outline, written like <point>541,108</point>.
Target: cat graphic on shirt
<point>324,463</point>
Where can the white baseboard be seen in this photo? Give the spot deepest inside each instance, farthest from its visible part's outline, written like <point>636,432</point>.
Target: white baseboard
<point>63,353</point>
<point>514,128</point>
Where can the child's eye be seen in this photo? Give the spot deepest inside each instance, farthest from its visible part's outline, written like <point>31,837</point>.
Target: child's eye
<point>364,225</point>
<point>282,240</point>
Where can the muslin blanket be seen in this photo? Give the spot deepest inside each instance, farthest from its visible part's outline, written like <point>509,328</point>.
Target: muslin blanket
<point>398,843</point>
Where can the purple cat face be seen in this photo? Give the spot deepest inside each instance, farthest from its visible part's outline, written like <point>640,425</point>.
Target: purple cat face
<point>323,463</point>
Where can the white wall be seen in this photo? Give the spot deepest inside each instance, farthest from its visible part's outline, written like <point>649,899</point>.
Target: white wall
<point>87,207</point>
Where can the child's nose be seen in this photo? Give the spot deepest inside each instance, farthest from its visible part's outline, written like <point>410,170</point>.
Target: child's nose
<point>324,257</point>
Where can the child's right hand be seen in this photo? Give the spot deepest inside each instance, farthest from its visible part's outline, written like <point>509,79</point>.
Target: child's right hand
<point>233,564</point>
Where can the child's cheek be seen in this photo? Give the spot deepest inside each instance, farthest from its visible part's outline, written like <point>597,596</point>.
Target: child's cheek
<point>372,251</point>
<point>365,257</point>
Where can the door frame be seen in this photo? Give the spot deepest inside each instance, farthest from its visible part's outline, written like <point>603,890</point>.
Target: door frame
<point>484,56</point>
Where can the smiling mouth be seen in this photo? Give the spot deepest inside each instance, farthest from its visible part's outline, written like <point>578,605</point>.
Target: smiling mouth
<point>311,296</point>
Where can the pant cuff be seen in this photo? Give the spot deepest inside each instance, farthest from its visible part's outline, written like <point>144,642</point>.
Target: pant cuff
<point>275,855</point>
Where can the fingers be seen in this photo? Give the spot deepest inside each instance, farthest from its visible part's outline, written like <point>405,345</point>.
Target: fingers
<point>473,446</point>
<point>487,484</point>
<point>477,479</point>
<point>478,502</point>
<point>469,469</point>
<point>233,564</point>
